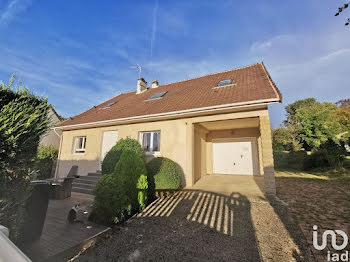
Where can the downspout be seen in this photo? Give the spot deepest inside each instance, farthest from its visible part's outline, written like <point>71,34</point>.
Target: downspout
<point>59,152</point>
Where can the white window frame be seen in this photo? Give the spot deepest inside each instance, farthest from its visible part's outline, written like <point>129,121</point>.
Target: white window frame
<point>151,152</point>
<point>82,150</point>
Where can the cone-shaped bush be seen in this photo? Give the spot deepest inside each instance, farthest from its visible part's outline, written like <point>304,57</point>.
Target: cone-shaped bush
<point>128,170</point>
<point>111,204</point>
<point>113,156</point>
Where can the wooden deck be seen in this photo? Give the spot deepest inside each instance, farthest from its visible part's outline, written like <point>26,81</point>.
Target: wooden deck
<point>60,238</point>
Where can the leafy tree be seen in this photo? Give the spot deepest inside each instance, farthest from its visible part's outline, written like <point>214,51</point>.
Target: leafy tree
<point>341,9</point>
<point>317,124</point>
<point>286,138</point>
<point>292,109</point>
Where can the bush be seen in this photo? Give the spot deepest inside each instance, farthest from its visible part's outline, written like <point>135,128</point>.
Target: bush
<point>111,204</point>
<point>142,186</point>
<point>165,173</point>
<point>23,119</point>
<point>296,159</point>
<point>117,195</point>
<point>44,161</point>
<point>329,155</point>
<point>113,156</point>
<point>128,170</point>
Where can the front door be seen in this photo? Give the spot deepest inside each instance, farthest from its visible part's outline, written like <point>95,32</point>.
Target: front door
<point>109,139</point>
<point>235,158</point>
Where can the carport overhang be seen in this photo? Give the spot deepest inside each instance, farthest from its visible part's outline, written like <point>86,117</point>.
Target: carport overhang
<point>255,128</point>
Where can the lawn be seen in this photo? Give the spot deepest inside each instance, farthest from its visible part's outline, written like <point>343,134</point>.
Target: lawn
<point>320,197</point>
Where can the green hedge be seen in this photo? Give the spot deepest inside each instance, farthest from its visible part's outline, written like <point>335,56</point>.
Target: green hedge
<point>44,161</point>
<point>113,156</point>
<point>128,170</point>
<point>117,195</point>
<point>111,204</point>
<point>164,173</point>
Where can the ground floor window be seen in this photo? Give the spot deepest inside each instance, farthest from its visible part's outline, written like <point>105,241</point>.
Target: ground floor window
<point>150,141</point>
<point>79,144</point>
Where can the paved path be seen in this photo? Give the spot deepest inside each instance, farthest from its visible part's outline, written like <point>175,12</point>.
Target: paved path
<point>58,235</point>
<point>197,225</point>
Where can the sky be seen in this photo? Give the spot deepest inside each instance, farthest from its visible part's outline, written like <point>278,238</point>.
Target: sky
<point>79,53</point>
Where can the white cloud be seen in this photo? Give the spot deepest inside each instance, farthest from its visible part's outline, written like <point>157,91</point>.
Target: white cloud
<point>13,8</point>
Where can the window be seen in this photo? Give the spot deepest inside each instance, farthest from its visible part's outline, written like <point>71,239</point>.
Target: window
<point>79,144</point>
<point>150,141</point>
<point>157,95</point>
<point>225,82</point>
<point>109,105</point>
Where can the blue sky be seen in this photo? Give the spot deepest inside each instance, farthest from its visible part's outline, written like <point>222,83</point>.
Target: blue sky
<point>79,53</point>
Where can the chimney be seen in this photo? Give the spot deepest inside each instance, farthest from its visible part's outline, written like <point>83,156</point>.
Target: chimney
<point>155,84</point>
<point>141,85</point>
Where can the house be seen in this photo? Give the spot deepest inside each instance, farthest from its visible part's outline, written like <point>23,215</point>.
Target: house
<point>51,137</point>
<point>212,124</point>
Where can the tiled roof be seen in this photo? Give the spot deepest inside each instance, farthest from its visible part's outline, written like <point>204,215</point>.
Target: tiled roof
<point>252,84</point>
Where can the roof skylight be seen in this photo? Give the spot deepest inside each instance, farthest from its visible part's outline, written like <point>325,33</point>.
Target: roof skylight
<point>109,104</point>
<point>225,82</point>
<point>157,95</point>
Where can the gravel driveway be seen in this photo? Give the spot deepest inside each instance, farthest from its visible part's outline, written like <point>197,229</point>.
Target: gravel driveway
<point>196,225</point>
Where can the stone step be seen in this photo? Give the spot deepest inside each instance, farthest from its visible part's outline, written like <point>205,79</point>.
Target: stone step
<point>81,190</point>
<point>90,178</point>
<point>94,174</point>
<point>83,185</point>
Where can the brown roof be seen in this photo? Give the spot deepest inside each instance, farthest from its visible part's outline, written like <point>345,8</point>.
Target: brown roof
<point>252,84</point>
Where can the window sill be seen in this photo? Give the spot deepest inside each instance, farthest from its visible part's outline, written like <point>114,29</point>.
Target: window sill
<point>79,153</point>
<point>157,154</point>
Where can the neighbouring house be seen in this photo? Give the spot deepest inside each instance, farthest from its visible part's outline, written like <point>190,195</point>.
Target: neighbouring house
<point>52,137</point>
<point>212,124</point>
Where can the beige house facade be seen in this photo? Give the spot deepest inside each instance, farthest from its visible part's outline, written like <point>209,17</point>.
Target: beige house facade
<point>206,136</point>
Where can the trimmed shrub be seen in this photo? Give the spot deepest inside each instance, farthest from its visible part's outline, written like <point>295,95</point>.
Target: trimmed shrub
<point>128,170</point>
<point>44,161</point>
<point>163,173</point>
<point>142,186</point>
<point>113,156</point>
<point>111,204</point>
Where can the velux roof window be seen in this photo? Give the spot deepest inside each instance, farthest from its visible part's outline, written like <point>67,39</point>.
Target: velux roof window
<point>225,82</point>
<point>157,95</point>
<point>109,104</point>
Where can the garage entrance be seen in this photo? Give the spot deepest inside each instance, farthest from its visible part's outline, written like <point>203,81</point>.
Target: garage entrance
<point>235,156</point>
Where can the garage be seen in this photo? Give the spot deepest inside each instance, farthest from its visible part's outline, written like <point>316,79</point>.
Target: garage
<point>235,156</point>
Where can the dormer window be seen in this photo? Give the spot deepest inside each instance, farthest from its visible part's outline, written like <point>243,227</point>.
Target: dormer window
<point>157,95</point>
<point>225,82</point>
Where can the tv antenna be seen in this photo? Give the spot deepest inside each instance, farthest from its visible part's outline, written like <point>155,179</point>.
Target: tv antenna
<point>138,68</point>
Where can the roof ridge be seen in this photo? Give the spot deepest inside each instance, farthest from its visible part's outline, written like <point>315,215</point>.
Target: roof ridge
<point>229,70</point>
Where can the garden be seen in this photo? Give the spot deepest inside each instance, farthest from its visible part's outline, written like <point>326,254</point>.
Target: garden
<point>129,184</point>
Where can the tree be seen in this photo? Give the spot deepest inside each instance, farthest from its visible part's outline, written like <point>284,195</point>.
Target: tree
<point>317,124</point>
<point>341,9</point>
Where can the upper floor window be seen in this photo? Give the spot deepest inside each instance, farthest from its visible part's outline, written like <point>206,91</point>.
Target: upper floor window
<point>79,144</point>
<point>150,141</point>
<point>225,82</point>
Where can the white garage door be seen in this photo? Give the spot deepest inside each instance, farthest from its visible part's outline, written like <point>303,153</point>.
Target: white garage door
<point>234,158</point>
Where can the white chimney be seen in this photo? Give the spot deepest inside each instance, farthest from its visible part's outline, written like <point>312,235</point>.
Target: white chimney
<point>141,85</point>
<point>155,84</point>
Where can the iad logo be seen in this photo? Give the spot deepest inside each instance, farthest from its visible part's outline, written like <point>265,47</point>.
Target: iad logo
<point>333,235</point>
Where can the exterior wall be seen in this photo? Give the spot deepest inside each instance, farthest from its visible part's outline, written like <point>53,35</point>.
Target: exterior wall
<point>179,141</point>
<point>51,138</point>
<point>267,155</point>
<point>172,144</point>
